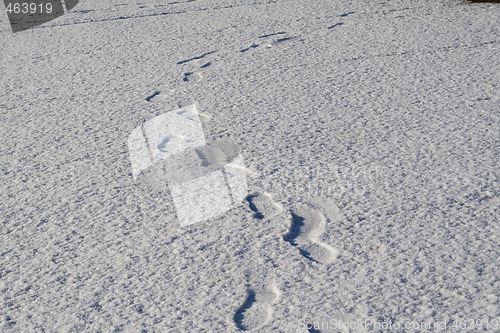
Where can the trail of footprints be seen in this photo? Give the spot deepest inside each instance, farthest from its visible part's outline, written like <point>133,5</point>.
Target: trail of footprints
<point>307,224</point>
<point>202,63</point>
<point>196,75</point>
<point>307,221</point>
<point>270,44</point>
<point>192,76</point>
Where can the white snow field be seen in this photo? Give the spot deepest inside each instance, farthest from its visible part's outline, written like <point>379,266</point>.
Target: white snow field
<point>370,133</point>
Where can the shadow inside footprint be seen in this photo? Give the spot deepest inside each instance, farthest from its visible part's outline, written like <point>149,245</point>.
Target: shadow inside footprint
<point>152,96</point>
<point>256,214</point>
<point>256,311</point>
<point>263,205</point>
<point>239,315</point>
<point>192,76</point>
<point>307,225</point>
<point>294,232</point>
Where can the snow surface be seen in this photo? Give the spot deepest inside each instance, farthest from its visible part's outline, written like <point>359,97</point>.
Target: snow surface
<point>370,130</point>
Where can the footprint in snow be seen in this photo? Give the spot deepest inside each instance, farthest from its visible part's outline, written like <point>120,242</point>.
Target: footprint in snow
<point>199,64</point>
<point>308,222</point>
<point>256,310</point>
<point>264,206</point>
<point>197,74</point>
<point>192,77</point>
<point>268,43</point>
<point>159,95</point>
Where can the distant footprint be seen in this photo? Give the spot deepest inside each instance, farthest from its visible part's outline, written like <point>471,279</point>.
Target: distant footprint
<point>196,58</point>
<point>270,43</point>
<point>307,225</point>
<point>192,77</point>
<point>253,46</point>
<point>201,63</point>
<point>159,95</point>
<point>273,34</point>
<point>154,96</point>
<point>208,64</point>
<point>335,25</point>
<point>347,14</point>
<point>256,310</point>
<point>264,205</point>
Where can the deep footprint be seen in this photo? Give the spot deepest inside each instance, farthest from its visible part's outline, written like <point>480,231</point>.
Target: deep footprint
<point>153,96</point>
<point>256,311</point>
<point>196,58</point>
<point>264,206</point>
<point>306,227</point>
<point>192,76</point>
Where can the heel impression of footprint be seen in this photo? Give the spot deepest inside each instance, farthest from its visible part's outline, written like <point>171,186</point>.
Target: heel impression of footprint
<point>264,206</point>
<point>256,311</point>
<point>306,226</point>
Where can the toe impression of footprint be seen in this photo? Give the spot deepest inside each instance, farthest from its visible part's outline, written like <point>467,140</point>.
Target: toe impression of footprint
<point>264,206</point>
<point>307,225</point>
<point>256,311</point>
